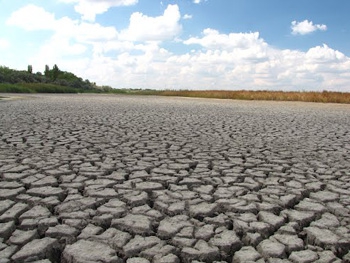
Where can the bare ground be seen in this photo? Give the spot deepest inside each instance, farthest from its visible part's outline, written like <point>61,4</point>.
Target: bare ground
<point>98,178</point>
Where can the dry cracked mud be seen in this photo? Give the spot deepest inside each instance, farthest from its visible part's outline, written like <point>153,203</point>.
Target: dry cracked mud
<point>98,178</point>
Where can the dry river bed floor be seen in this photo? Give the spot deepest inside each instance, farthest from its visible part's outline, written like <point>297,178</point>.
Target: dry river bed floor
<point>106,178</point>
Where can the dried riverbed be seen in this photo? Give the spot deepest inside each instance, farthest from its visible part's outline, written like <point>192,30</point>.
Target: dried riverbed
<point>98,178</point>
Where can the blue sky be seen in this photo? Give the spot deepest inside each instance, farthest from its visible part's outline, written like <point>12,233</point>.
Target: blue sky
<point>183,44</point>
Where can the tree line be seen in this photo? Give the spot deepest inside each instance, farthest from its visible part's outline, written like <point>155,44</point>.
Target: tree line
<point>50,76</point>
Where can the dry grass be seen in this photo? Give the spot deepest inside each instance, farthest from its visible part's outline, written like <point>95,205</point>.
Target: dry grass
<point>323,97</point>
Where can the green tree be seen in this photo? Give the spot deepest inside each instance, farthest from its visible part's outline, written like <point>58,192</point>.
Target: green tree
<point>47,71</point>
<point>30,69</point>
<point>55,72</point>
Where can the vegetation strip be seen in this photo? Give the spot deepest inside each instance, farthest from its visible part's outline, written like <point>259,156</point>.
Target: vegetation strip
<point>57,81</point>
<point>324,97</point>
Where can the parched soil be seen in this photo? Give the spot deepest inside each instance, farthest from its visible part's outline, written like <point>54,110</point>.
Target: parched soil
<point>106,178</point>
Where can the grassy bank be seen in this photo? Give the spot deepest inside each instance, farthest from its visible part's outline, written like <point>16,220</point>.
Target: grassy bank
<point>324,97</point>
<point>40,88</point>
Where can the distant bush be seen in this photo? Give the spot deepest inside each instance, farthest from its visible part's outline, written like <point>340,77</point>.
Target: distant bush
<point>52,81</point>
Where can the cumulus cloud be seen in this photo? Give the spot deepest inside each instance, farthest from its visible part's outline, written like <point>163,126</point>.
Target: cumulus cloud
<point>279,70</point>
<point>306,27</point>
<point>324,53</point>
<point>224,67</point>
<point>32,17</point>
<point>145,28</point>
<point>70,38</point>
<point>90,8</point>
<point>235,61</point>
<point>246,61</point>
<point>212,39</point>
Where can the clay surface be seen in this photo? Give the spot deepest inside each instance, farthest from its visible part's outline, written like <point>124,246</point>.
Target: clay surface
<point>111,178</point>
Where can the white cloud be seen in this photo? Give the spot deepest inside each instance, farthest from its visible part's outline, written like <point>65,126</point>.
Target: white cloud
<point>235,61</point>
<point>187,16</point>
<point>198,1</point>
<point>145,28</point>
<point>69,39</point>
<point>32,17</point>
<point>306,27</point>
<point>324,53</point>
<point>243,45</point>
<point>245,61</point>
<point>90,8</point>
<point>223,68</point>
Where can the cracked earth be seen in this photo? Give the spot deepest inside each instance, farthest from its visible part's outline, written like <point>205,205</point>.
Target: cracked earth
<point>97,178</point>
